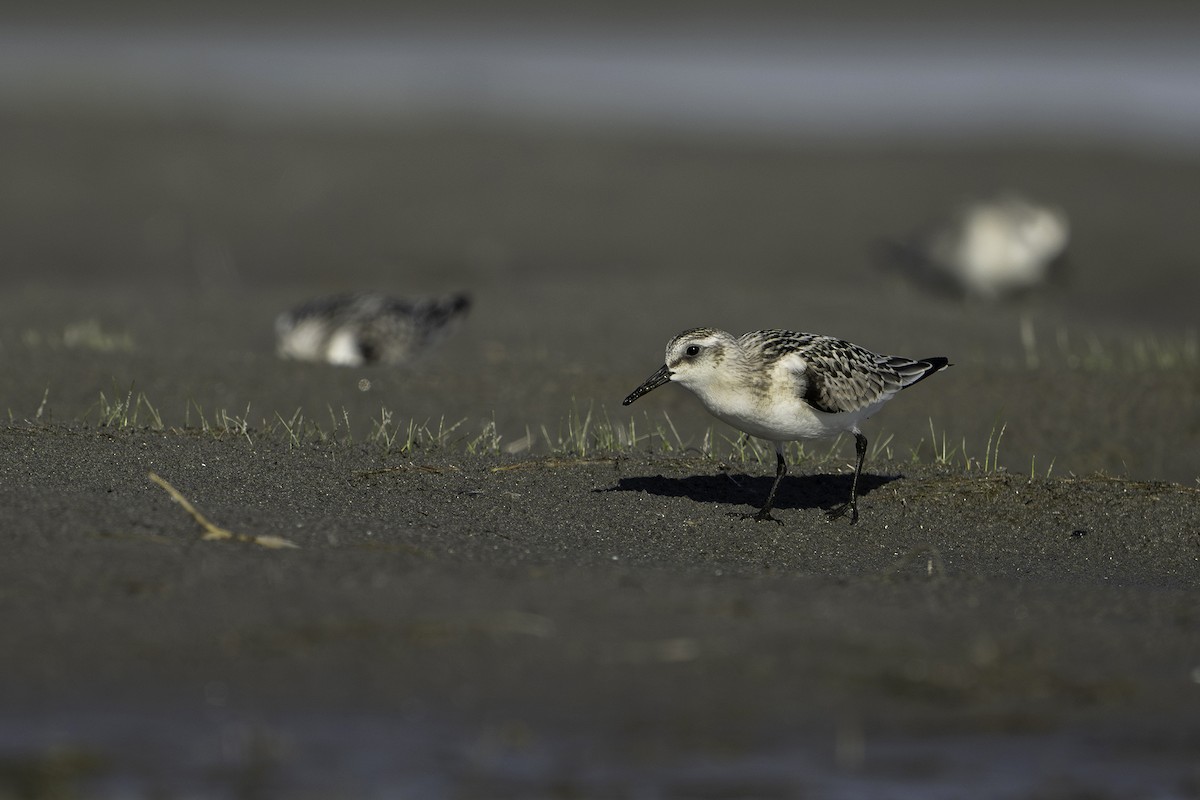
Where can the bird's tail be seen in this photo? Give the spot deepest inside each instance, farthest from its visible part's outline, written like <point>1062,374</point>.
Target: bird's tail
<point>915,370</point>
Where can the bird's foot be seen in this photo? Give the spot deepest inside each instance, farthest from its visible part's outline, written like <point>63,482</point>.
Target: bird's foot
<point>841,510</point>
<point>764,515</point>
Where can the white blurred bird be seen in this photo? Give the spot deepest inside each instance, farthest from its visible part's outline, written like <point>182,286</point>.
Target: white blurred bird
<point>988,250</point>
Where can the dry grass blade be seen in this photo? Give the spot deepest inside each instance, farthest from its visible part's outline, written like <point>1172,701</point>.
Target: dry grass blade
<point>215,533</point>
<point>550,463</point>
<point>366,473</point>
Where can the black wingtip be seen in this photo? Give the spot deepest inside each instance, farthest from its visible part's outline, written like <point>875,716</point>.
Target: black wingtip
<point>934,364</point>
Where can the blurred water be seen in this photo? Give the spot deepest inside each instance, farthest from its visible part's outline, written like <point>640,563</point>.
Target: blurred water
<point>224,754</point>
<point>1089,81</point>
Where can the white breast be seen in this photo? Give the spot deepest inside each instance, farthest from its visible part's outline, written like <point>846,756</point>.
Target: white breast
<point>773,409</point>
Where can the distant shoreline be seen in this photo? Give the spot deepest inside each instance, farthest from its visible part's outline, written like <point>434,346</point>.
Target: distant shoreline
<point>1093,84</point>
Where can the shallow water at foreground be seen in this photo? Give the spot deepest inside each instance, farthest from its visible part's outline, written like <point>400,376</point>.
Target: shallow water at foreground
<point>219,754</point>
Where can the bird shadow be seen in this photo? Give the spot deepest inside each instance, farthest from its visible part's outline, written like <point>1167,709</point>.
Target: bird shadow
<point>796,491</point>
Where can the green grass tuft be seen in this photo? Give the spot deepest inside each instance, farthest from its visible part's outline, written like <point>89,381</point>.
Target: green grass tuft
<point>582,433</point>
<point>1090,353</point>
<point>131,412</point>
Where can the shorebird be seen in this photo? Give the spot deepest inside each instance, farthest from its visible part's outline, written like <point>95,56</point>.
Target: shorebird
<point>988,249</point>
<point>362,328</point>
<point>782,386</point>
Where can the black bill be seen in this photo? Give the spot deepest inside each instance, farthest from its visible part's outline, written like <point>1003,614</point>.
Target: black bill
<point>653,382</point>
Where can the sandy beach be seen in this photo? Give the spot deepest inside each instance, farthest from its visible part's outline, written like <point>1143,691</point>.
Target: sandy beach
<point>505,584</point>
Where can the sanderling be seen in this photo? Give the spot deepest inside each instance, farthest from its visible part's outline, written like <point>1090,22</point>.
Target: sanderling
<point>354,329</point>
<point>782,386</point>
<point>989,249</point>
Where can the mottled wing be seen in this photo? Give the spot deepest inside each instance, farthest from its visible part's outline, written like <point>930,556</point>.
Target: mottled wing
<point>843,377</point>
<point>836,376</point>
<point>832,375</point>
<point>403,328</point>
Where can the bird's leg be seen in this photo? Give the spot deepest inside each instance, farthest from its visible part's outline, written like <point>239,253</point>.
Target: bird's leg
<point>860,447</point>
<point>780,471</point>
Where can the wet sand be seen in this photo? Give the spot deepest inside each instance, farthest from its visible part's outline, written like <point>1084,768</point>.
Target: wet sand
<point>587,627</point>
<point>530,624</point>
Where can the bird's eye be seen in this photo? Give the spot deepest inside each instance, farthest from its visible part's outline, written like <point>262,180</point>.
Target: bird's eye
<point>692,350</point>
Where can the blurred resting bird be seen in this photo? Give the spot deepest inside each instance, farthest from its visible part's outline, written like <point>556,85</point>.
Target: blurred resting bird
<point>987,250</point>
<point>363,328</point>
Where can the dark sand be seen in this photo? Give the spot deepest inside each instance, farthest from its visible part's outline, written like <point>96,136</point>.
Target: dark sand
<point>526,625</point>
